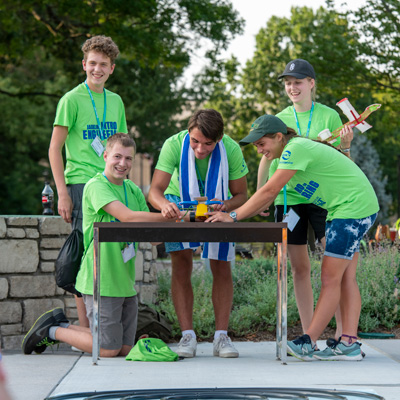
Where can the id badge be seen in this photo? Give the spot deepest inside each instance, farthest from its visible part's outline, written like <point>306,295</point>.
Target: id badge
<point>128,252</point>
<point>291,218</point>
<point>98,146</point>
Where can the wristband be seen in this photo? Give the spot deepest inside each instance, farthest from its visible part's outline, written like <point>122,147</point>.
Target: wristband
<point>192,216</point>
<point>346,150</point>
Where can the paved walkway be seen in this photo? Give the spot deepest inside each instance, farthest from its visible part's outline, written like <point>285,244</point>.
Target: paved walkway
<point>36,377</point>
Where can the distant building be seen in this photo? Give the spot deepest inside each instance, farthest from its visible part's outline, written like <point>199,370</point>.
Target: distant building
<point>141,172</point>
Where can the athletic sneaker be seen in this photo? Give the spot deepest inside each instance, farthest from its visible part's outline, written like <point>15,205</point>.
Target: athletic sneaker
<point>187,346</point>
<point>301,348</point>
<point>40,330</point>
<point>340,352</point>
<point>60,317</point>
<point>44,344</point>
<point>332,342</point>
<point>223,347</point>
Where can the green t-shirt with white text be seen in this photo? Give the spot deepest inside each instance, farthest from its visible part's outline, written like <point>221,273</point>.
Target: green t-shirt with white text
<point>117,277</point>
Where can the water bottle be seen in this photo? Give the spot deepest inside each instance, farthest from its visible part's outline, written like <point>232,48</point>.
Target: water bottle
<point>47,199</point>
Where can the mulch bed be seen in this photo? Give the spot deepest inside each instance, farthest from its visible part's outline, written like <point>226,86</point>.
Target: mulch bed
<point>293,333</point>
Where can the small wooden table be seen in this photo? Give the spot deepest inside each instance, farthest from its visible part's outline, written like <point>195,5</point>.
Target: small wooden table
<point>196,232</point>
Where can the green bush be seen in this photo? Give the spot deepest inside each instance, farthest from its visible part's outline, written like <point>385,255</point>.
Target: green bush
<point>254,299</point>
<point>378,280</point>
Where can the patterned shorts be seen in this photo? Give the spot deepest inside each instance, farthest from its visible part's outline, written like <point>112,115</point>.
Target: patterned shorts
<point>343,236</point>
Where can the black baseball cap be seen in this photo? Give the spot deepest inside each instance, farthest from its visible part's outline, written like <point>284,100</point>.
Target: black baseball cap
<point>264,125</point>
<point>298,68</point>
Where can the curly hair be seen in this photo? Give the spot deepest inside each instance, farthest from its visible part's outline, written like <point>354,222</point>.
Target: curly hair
<point>101,44</point>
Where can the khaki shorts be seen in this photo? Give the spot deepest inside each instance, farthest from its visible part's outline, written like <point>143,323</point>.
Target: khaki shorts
<point>117,320</point>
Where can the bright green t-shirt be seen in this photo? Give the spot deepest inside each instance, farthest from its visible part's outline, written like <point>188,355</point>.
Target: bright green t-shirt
<point>328,179</point>
<point>75,111</point>
<point>117,277</point>
<point>323,117</point>
<point>171,154</point>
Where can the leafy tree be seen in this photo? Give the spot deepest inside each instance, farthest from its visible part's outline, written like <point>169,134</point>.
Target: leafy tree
<point>40,54</point>
<point>331,45</point>
<point>379,24</point>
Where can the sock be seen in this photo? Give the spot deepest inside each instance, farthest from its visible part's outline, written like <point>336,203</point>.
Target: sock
<point>52,332</point>
<point>349,341</point>
<point>189,331</point>
<point>64,324</point>
<point>217,334</point>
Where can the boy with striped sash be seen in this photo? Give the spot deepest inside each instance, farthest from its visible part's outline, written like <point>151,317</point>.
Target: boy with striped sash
<point>201,161</point>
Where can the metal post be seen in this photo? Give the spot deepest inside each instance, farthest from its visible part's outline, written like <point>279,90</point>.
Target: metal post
<point>284,296</point>
<point>279,304</point>
<point>96,296</point>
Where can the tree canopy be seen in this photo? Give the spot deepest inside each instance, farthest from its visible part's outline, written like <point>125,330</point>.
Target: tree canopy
<point>337,50</point>
<point>40,55</point>
<point>355,55</point>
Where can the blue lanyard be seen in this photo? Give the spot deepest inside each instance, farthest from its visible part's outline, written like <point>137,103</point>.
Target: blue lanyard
<point>284,201</point>
<point>126,199</point>
<point>123,183</point>
<point>309,121</point>
<point>95,109</point>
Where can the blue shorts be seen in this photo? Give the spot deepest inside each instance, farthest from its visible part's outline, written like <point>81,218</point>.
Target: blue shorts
<point>173,246</point>
<point>343,236</point>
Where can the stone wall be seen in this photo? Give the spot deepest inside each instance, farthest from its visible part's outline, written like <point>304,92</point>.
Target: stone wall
<point>29,246</point>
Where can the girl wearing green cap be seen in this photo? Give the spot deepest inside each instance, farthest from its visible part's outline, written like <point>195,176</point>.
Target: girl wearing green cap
<point>327,178</point>
<point>308,118</point>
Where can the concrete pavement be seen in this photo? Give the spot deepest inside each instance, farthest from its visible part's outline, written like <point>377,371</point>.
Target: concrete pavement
<point>35,377</point>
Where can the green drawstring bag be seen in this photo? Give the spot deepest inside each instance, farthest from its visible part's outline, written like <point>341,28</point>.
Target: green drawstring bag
<point>151,349</point>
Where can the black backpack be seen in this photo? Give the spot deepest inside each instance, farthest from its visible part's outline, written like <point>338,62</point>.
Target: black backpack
<point>152,323</point>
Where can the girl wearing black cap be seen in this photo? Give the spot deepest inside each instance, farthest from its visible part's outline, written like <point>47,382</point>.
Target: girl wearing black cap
<point>308,119</point>
<point>325,177</point>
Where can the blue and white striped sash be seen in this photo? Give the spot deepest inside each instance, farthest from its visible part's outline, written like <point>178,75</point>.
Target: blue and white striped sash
<point>216,186</point>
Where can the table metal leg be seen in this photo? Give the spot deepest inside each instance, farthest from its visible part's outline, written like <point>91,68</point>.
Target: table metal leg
<point>96,296</point>
<point>279,305</point>
<point>284,295</point>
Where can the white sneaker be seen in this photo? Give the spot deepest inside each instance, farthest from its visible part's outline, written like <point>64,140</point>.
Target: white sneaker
<point>223,347</point>
<point>187,346</point>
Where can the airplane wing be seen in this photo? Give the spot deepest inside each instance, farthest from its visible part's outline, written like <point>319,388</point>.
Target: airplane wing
<point>363,126</point>
<point>348,110</point>
<point>352,115</point>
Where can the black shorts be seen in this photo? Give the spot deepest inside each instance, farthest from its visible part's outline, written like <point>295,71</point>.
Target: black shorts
<point>76,193</point>
<point>307,213</point>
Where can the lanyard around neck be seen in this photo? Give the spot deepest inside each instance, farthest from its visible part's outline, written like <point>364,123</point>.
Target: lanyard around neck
<point>309,121</point>
<point>95,109</point>
<point>123,183</point>
<point>284,201</point>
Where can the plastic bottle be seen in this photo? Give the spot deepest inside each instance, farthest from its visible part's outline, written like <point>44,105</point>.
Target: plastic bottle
<point>47,199</point>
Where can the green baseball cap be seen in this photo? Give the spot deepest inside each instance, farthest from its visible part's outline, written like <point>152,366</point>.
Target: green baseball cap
<point>264,125</point>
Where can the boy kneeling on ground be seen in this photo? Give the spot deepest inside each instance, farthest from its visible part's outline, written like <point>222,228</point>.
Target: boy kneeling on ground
<point>107,197</point>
